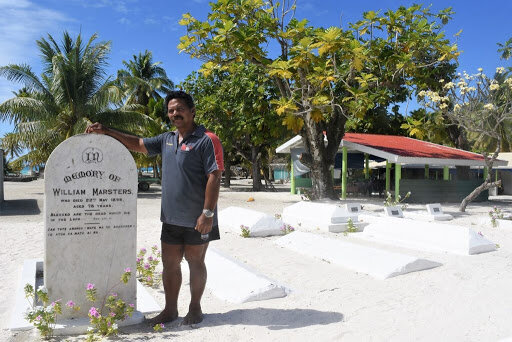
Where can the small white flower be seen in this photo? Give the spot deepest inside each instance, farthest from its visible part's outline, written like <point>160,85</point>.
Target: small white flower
<point>422,93</point>
<point>494,86</point>
<point>456,107</point>
<point>489,106</point>
<point>49,309</point>
<point>42,289</point>
<point>90,329</point>
<point>449,85</point>
<point>443,105</point>
<point>114,326</point>
<point>441,80</point>
<point>500,70</point>
<point>480,69</point>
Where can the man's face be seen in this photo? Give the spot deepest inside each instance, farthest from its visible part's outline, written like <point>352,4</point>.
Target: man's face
<point>180,115</point>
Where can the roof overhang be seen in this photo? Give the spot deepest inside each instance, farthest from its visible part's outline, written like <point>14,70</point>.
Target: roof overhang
<point>296,142</point>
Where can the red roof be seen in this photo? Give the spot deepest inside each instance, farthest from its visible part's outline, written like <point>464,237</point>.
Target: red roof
<point>409,147</point>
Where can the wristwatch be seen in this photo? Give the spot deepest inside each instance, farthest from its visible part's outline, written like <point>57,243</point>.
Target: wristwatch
<point>208,213</point>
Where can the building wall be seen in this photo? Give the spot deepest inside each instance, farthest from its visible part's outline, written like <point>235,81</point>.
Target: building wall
<point>506,181</point>
<point>432,191</point>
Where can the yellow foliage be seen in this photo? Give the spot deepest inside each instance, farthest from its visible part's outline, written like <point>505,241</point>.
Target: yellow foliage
<point>207,68</point>
<point>293,123</point>
<point>316,115</point>
<point>320,100</point>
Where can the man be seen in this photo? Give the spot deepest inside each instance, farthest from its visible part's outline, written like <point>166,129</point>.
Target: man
<point>192,164</point>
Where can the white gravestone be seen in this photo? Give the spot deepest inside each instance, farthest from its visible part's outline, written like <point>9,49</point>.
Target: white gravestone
<point>90,221</point>
<point>319,216</point>
<point>436,211</point>
<point>393,211</point>
<point>428,236</point>
<point>258,223</point>
<point>378,263</point>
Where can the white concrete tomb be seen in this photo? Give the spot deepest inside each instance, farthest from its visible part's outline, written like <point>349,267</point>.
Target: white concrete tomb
<point>319,216</point>
<point>258,223</point>
<point>90,221</point>
<point>434,213</point>
<point>437,213</point>
<point>375,262</point>
<point>232,281</point>
<point>428,236</point>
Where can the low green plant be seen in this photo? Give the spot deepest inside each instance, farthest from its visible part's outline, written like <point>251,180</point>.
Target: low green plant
<point>113,309</point>
<point>44,316</point>
<point>351,228</point>
<point>158,327</point>
<point>389,201</point>
<point>286,228</point>
<point>495,214</point>
<point>146,267</point>
<point>245,231</point>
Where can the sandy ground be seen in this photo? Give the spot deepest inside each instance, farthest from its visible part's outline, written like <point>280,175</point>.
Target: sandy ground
<point>466,299</point>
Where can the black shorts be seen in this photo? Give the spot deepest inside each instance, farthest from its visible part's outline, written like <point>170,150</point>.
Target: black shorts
<point>178,235</point>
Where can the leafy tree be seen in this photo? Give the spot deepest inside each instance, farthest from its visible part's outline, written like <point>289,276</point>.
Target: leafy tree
<point>143,80</point>
<point>71,93</point>
<point>157,123</point>
<point>505,49</point>
<point>324,76</point>
<point>236,104</point>
<point>482,106</point>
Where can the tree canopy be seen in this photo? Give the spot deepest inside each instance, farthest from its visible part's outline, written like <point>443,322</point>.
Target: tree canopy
<point>325,76</point>
<point>72,92</point>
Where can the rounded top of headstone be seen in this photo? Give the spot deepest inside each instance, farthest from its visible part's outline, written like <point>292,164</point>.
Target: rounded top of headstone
<point>90,150</point>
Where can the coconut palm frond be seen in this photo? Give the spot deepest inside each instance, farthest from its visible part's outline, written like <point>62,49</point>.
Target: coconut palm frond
<point>22,74</point>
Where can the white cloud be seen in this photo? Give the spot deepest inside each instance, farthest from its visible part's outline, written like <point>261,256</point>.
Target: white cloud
<point>22,22</point>
<point>150,21</point>
<point>121,6</point>
<point>124,21</point>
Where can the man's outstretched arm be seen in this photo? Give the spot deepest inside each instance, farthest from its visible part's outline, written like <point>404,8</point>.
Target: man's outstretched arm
<point>131,142</point>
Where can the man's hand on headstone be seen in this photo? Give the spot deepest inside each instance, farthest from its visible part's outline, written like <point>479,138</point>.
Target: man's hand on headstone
<point>96,128</point>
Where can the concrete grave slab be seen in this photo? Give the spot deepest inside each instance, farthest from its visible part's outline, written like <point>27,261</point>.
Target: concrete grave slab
<point>372,261</point>
<point>32,268</point>
<point>235,282</point>
<point>90,220</point>
<point>319,216</point>
<point>258,223</point>
<point>434,213</point>
<point>437,212</point>
<point>393,211</point>
<point>428,236</point>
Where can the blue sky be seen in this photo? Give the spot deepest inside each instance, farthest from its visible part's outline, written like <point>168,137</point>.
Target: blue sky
<point>136,25</point>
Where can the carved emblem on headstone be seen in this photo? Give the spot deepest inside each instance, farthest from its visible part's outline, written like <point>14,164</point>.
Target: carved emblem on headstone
<point>92,155</point>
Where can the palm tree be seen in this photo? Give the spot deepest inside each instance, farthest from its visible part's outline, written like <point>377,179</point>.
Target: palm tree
<point>72,92</point>
<point>143,79</point>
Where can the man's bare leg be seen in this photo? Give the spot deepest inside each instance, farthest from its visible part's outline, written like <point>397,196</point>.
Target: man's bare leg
<point>194,254</point>
<point>171,279</point>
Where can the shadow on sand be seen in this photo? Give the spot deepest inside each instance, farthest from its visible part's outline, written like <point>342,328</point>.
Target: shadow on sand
<point>19,207</point>
<point>273,319</point>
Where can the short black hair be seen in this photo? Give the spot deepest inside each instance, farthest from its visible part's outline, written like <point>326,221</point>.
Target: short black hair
<point>179,94</point>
